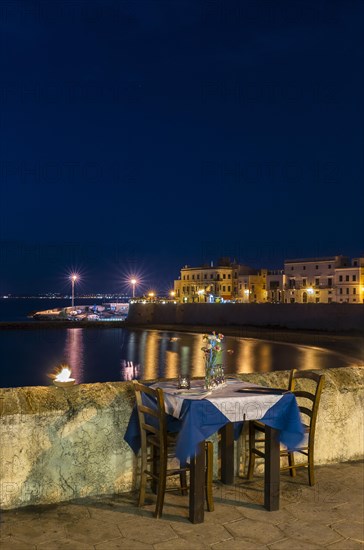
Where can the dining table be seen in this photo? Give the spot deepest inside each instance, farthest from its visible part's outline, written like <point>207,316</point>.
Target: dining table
<point>196,414</point>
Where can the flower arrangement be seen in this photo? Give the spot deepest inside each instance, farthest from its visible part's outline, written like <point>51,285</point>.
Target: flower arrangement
<point>212,349</point>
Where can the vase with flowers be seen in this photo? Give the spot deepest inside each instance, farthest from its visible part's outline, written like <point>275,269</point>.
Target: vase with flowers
<point>212,349</point>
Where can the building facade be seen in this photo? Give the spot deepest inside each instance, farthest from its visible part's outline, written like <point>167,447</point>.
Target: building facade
<point>312,280</point>
<point>210,283</point>
<point>304,280</point>
<point>349,282</point>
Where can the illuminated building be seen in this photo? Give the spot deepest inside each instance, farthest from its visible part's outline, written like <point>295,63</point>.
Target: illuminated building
<point>305,280</point>
<point>312,280</point>
<point>349,282</point>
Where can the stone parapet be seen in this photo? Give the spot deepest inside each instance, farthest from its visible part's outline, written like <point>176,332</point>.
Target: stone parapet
<point>326,317</point>
<point>60,444</point>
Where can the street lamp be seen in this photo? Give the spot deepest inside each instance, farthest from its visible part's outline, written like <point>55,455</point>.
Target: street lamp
<point>133,282</point>
<point>73,280</point>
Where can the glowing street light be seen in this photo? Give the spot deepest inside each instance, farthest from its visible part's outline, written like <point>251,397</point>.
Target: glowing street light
<point>133,282</point>
<point>73,280</point>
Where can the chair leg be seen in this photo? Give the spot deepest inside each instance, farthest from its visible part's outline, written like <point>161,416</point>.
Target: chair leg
<point>161,488</point>
<point>143,479</point>
<point>183,481</point>
<point>311,473</point>
<point>155,467</point>
<point>291,463</point>
<point>209,476</point>
<point>251,453</point>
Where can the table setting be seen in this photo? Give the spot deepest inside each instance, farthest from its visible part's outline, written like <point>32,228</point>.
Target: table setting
<point>196,409</point>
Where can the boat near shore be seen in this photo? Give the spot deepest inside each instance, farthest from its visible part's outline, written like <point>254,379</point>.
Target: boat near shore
<point>103,312</point>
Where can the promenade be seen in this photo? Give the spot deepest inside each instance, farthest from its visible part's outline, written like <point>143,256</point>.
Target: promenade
<point>328,515</point>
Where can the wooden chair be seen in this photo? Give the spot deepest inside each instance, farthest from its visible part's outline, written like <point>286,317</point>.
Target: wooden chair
<point>308,403</point>
<point>161,447</point>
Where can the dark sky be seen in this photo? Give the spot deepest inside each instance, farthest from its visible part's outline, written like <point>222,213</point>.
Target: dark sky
<point>142,135</point>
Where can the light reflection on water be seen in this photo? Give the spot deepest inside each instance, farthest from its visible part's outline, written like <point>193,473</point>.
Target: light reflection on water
<point>74,352</point>
<point>152,354</point>
<point>101,355</point>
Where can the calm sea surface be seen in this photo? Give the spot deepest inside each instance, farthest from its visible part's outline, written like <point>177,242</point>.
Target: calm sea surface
<point>114,354</point>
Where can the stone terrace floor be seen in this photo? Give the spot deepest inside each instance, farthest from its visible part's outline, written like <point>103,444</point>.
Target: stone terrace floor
<point>328,515</point>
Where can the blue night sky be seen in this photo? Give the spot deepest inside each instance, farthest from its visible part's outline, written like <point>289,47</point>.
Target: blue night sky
<point>138,136</point>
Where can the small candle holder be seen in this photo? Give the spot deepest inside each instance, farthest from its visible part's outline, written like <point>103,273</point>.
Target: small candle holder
<point>184,382</point>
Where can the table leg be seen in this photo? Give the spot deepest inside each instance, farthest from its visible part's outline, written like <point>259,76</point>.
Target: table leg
<point>197,485</point>
<point>227,454</point>
<point>271,469</point>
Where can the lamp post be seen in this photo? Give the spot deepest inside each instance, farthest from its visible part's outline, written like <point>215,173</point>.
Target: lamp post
<point>73,280</point>
<point>133,282</point>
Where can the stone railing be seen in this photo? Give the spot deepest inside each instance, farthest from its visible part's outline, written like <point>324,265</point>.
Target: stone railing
<point>329,317</point>
<point>59,444</point>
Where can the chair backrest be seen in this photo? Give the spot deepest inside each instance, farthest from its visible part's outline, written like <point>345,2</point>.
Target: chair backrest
<point>308,409</point>
<point>151,415</point>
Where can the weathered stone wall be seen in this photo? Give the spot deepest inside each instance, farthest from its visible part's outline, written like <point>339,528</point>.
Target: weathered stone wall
<point>58,444</point>
<point>342,317</point>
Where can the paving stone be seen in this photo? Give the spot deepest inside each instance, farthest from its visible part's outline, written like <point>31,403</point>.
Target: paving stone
<point>149,531</point>
<point>10,543</point>
<point>22,514</point>
<point>35,531</point>
<point>91,531</point>
<point>310,533</point>
<point>350,529</point>
<point>239,520</point>
<point>289,544</point>
<point>261,514</point>
<point>238,544</point>
<point>65,544</point>
<point>320,514</point>
<point>256,531</point>
<point>113,516</point>
<point>206,533</point>
<point>65,512</point>
<point>123,544</point>
<point>223,514</point>
<point>353,509</point>
<point>179,544</point>
<point>346,544</point>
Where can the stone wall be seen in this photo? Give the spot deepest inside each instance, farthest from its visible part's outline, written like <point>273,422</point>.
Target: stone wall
<point>59,444</point>
<point>341,317</point>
